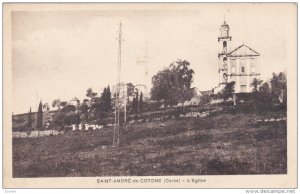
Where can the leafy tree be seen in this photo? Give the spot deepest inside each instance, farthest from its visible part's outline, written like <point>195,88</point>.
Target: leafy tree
<point>86,102</point>
<point>69,108</point>
<point>101,106</point>
<point>39,123</point>
<point>268,93</point>
<point>56,103</point>
<point>63,104</point>
<point>90,93</point>
<point>265,88</point>
<point>46,107</point>
<point>279,85</point>
<point>97,107</point>
<point>66,116</point>
<point>130,90</point>
<point>264,98</point>
<point>84,110</point>
<point>71,118</point>
<point>173,85</point>
<point>256,84</point>
<point>59,119</point>
<point>228,90</point>
<point>29,122</point>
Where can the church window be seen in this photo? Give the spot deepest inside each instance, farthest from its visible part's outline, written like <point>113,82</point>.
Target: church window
<point>243,69</point>
<point>224,44</point>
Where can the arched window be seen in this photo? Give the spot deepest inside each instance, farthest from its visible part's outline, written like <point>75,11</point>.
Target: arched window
<point>224,44</point>
<point>224,59</point>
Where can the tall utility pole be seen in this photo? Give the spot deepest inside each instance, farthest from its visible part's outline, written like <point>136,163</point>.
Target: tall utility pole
<point>36,108</point>
<point>125,103</point>
<point>146,70</point>
<point>116,139</point>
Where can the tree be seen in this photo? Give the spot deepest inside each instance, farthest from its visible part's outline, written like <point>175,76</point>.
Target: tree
<point>269,92</point>
<point>141,102</point>
<point>86,102</point>
<point>137,110</point>
<point>63,104</point>
<point>134,105</point>
<point>69,108</point>
<point>46,107</point>
<point>130,90</point>
<point>265,88</point>
<point>39,123</point>
<point>279,85</point>
<point>29,122</point>
<point>108,99</point>
<point>98,106</point>
<point>173,85</point>
<point>71,118</point>
<point>228,90</point>
<point>56,103</point>
<point>264,97</point>
<point>90,93</point>
<point>256,84</point>
<point>59,119</point>
<point>84,107</point>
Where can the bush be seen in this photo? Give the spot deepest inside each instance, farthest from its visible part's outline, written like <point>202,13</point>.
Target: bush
<point>60,119</point>
<point>152,105</point>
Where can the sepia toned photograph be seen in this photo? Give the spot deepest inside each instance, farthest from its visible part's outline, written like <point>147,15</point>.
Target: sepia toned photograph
<point>171,94</point>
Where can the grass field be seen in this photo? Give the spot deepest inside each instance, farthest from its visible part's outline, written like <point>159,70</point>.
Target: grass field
<point>220,144</point>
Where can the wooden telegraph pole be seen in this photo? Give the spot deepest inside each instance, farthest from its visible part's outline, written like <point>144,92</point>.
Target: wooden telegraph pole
<point>116,139</point>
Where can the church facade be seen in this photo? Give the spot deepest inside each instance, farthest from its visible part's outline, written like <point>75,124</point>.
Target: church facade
<point>240,65</point>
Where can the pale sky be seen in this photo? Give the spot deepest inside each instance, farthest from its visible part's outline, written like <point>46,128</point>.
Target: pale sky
<point>60,54</point>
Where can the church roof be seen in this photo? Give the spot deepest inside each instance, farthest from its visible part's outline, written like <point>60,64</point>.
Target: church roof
<point>243,50</point>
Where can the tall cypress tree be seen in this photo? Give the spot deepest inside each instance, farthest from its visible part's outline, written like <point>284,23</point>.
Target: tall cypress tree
<point>137,102</point>
<point>108,98</point>
<point>141,102</point>
<point>134,105</point>
<point>29,122</point>
<point>39,120</point>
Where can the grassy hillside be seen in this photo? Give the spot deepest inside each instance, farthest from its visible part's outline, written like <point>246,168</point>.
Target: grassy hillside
<point>219,144</point>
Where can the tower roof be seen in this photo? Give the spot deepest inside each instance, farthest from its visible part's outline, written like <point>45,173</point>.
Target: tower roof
<point>225,25</point>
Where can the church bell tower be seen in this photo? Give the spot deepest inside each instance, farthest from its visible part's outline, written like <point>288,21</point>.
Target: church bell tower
<point>224,43</point>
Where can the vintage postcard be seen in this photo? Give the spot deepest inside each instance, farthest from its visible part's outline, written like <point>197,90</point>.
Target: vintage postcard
<point>150,95</point>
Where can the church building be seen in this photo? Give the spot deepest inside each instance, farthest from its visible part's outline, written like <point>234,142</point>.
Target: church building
<point>240,64</point>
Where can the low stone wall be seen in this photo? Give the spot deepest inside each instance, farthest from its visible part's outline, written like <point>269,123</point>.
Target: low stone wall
<point>35,134</point>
